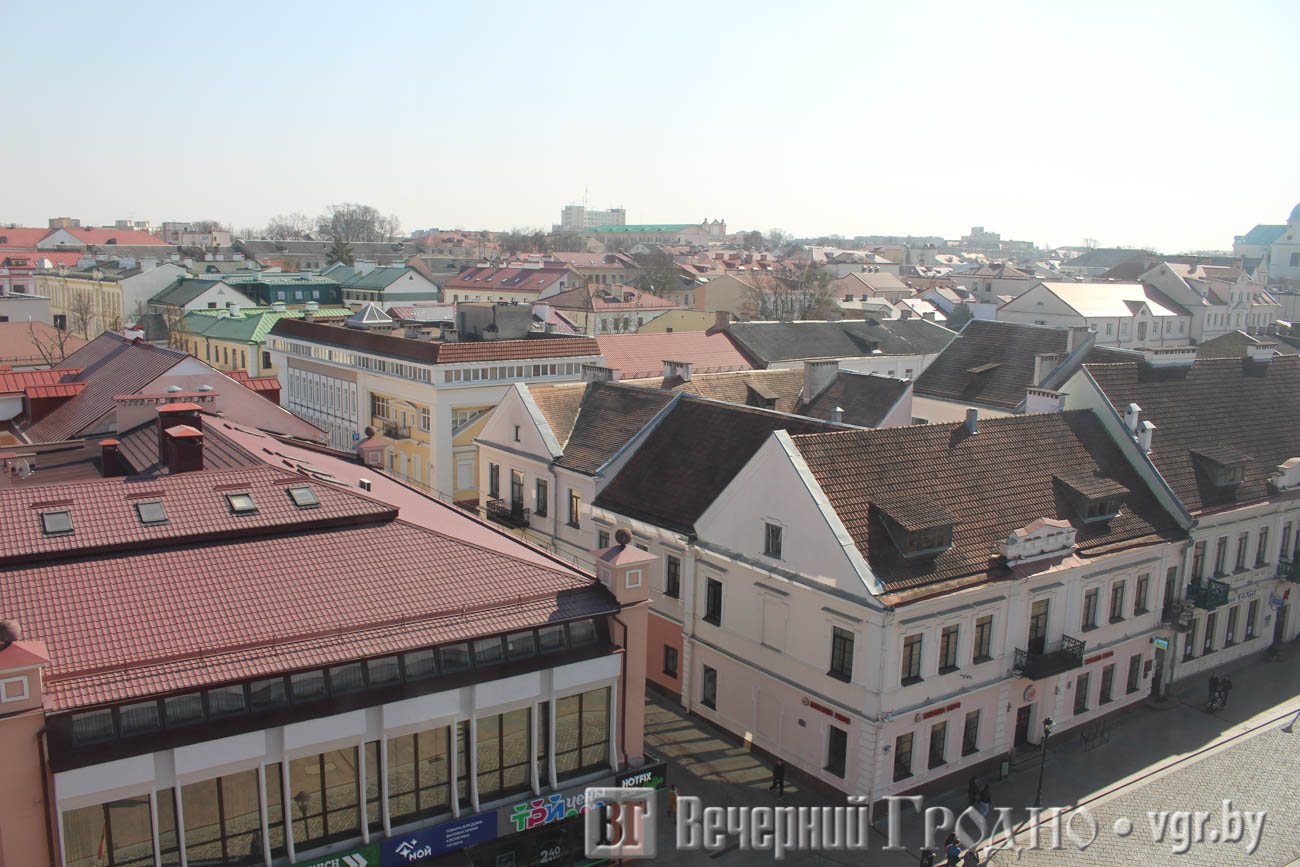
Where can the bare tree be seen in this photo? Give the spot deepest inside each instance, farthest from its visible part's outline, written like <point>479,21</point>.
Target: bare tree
<point>389,227</point>
<point>51,345</point>
<point>658,273</point>
<point>350,222</point>
<point>804,294</point>
<point>82,307</point>
<point>288,227</point>
<point>777,238</point>
<point>210,226</point>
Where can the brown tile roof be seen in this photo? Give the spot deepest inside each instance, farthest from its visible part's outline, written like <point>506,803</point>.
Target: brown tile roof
<point>140,448</point>
<point>865,398</point>
<point>687,460</point>
<point>1010,346</point>
<point>559,405</point>
<point>611,414</point>
<point>642,355</point>
<point>1240,407</point>
<point>988,484</point>
<point>784,385</point>
<point>436,353</point>
<point>110,365</point>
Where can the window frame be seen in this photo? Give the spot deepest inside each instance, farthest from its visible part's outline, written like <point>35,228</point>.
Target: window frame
<point>842,645</point>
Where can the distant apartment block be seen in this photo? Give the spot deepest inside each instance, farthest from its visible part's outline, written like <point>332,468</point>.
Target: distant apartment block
<point>578,218</point>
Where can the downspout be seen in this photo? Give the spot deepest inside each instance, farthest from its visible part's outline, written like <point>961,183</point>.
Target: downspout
<point>56,855</point>
<point>690,568</point>
<point>622,716</point>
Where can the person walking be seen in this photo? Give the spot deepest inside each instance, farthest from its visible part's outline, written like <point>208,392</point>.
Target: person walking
<point>973,790</point>
<point>1225,686</point>
<point>778,779</point>
<point>954,855</point>
<point>970,859</point>
<point>1215,682</point>
<point>672,800</point>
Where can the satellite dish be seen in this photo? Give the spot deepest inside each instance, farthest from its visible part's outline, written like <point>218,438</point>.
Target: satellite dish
<point>24,468</point>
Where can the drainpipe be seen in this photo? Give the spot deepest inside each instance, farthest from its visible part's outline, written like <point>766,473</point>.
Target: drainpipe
<point>690,565</point>
<point>622,711</point>
<point>51,809</point>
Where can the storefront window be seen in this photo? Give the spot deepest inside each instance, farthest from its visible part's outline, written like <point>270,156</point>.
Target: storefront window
<point>324,792</point>
<point>502,751</point>
<point>374,815</point>
<point>275,810</point>
<point>582,733</point>
<point>117,834</point>
<point>223,820</point>
<point>168,845</point>
<point>418,776</point>
<point>543,743</point>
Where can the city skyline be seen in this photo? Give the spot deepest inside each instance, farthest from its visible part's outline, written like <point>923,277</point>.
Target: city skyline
<point>1038,124</point>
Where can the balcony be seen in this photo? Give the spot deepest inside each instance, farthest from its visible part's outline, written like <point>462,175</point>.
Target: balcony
<point>1289,570</point>
<point>507,514</point>
<point>1037,666</point>
<point>1209,594</point>
<point>396,431</point>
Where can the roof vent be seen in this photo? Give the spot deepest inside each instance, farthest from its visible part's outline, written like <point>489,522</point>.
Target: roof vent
<point>972,420</point>
<point>1169,356</point>
<point>1286,476</point>
<point>363,484</point>
<point>172,389</point>
<point>1261,353</point>
<point>1042,538</point>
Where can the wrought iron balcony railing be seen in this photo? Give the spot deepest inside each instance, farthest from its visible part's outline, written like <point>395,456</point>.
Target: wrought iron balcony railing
<point>506,513</point>
<point>396,431</point>
<point>1036,666</point>
<point>1208,595</point>
<point>1289,570</point>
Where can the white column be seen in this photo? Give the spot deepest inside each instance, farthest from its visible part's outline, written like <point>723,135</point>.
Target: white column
<point>180,824</point>
<point>613,727</point>
<point>287,808</point>
<point>361,791</point>
<point>532,764</point>
<point>452,768</point>
<point>471,777</point>
<point>383,785</point>
<point>550,747</point>
<point>690,569</point>
<point>153,825</point>
<point>266,820</point>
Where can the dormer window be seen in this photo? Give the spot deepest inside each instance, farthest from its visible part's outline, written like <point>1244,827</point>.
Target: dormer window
<point>916,527</point>
<point>1096,499</point>
<point>1221,467</point>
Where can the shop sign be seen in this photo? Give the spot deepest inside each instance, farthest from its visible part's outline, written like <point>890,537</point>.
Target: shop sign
<point>537,812</point>
<point>1161,643</point>
<point>366,856</point>
<point>428,843</point>
<point>645,777</point>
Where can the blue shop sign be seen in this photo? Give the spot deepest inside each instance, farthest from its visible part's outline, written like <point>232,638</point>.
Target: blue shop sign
<point>428,843</point>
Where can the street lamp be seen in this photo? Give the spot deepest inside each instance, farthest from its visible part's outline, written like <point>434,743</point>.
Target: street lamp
<point>1042,765</point>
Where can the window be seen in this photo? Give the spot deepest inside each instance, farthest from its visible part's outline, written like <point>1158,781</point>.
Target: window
<point>488,651</point>
<point>938,744</point>
<point>56,523</point>
<point>1140,594</point>
<point>841,654</point>
<point>983,639</point>
<point>1107,684</point>
<point>1134,673</point>
<point>1081,694</point>
<point>1261,549</point>
<point>226,700</point>
<point>222,819</point>
<point>419,664</point>
<point>134,719</point>
<point>1210,619</point>
<point>1285,550</point>
<point>575,508</point>
<point>670,661</point>
<point>672,577</point>
<point>903,757</point>
<point>911,669</point>
<point>503,754</point>
<point>385,670</point>
<point>92,726</point>
<point>550,638</point>
<point>581,633</point>
<point>326,806</point>
<point>266,361</point>
<point>307,685</point>
<point>948,649</point>
<point>709,687</point>
<point>418,775</point>
<point>1220,555</point>
<point>425,422</point>
<point>116,834</point>
<point>1090,608</point>
<point>151,513</point>
<point>837,749</point>
<point>379,407</point>
<point>241,504</point>
<point>1243,542</point>
<point>494,481</point>
<point>1230,630</point>
<point>543,495</point>
<point>713,601</point>
<point>303,497</point>
<point>183,710</point>
<point>602,538</point>
<point>772,540</point>
<point>269,693</point>
<point>521,645</point>
<point>1189,641</point>
<point>346,678</point>
<point>1117,602</point>
<point>1198,561</point>
<point>970,735</point>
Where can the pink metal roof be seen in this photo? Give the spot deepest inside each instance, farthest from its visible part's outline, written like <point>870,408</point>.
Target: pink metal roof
<point>507,279</point>
<point>640,355</point>
<point>18,381</point>
<point>132,237</point>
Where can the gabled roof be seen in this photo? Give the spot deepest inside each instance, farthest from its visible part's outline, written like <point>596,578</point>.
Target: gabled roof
<point>559,405</point>
<point>768,342</point>
<point>185,290</point>
<point>865,398</point>
<point>514,279</point>
<point>610,415</point>
<point>987,484</point>
<point>956,374</point>
<point>21,236</point>
<point>642,355</point>
<point>690,457</point>
<point>1108,299</point>
<point>251,325</point>
<point>110,365</point>
<point>376,278</point>
<point>18,381</point>
<point>1231,404</point>
<point>132,237</point>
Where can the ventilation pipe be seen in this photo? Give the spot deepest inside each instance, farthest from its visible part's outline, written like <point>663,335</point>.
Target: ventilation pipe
<point>1131,418</point>
<point>1144,436</point>
<point>972,421</point>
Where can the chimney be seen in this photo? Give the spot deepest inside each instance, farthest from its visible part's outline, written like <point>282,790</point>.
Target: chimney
<point>110,460</point>
<point>308,317</point>
<point>817,377</point>
<point>1045,363</point>
<point>1131,418</point>
<point>972,421</point>
<point>596,373</point>
<point>278,307</point>
<point>721,320</point>
<point>184,449</point>
<point>680,369</point>
<point>236,310</point>
<point>1144,436</point>
<point>1261,353</point>
<point>311,306</point>
<point>837,415</point>
<point>172,414</point>
<point>1078,334</point>
<point>1043,400</point>
<point>628,572</point>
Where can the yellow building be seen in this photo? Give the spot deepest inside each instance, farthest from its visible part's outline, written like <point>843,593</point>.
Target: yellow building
<point>234,338</point>
<point>103,297</point>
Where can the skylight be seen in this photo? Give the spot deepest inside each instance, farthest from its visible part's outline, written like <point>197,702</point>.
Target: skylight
<point>241,503</point>
<point>151,512</point>
<point>57,523</point>
<point>303,497</point>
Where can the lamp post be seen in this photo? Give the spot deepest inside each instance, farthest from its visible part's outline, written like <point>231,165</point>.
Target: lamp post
<point>1042,765</point>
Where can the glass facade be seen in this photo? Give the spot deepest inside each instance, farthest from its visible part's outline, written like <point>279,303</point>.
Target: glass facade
<point>323,789</point>
<point>116,834</point>
<point>582,733</point>
<point>419,776</point>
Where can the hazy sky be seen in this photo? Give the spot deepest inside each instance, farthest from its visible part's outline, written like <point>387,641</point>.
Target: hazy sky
<point>1174,125</point>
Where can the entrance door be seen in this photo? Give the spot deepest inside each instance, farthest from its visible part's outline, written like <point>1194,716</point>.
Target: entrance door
<point>1158,672</point>
<point>1142,331</point>
<point>1038,626</point>
<point>1279,625</point>
<point>1022,725</point>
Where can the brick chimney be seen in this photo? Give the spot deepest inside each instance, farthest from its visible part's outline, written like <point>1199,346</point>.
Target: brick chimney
<point>627,572</point>
<point>184,451</point>
<point>172,414</point>
<point>817,377</point>
<point>678,368</point>
<point>596,373</point>
<point>110,459</point>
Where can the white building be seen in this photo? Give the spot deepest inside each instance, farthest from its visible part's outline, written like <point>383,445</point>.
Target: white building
<point>1124,315</point>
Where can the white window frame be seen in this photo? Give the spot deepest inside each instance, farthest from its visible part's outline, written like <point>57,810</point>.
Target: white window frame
<point>4,686</point>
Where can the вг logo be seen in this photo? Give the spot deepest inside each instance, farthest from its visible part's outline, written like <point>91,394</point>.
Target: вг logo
<point>624,827</point>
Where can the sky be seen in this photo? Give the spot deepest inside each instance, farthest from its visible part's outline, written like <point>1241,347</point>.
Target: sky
<point>1167,125</point>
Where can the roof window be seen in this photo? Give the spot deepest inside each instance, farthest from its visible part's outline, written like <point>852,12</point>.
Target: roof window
<point>303,497</point>
<point>242,503</point>
<point>151,512</point>
<point>57,523</point>
<point>916,527</point>
<point>1221,467</point>
<point>1095,498</point>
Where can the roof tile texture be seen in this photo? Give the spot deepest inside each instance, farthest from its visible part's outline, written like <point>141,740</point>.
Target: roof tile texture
<point>1011,346</point>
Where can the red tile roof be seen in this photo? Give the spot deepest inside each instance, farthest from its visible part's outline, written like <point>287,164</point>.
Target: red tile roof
<point>37,258</point>
<point>641,355</point>
<point>530,280</point>
<point>21,236</point>
<point>18,381</point>
<point>118,237</point>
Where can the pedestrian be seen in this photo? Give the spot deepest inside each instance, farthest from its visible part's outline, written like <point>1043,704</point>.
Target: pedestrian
<point>927,858</point>
<point>1226,686</point>
<point>778,779</point>
<point>1215,683</point>
<point>986,798</point>
<point>970,859</point>
<point>672,800</point>
<point>954,855</point>
<point>973,790</point>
